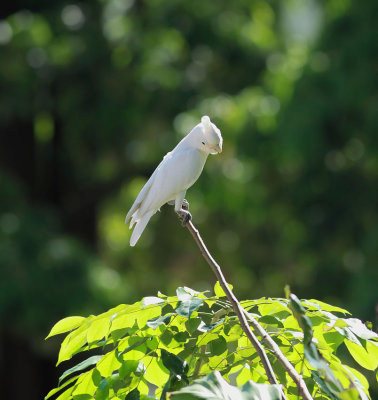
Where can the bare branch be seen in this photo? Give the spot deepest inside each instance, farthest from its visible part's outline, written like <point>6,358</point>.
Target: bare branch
<point>297,378</point>
<point>243,315</point>
<point>234,301</point>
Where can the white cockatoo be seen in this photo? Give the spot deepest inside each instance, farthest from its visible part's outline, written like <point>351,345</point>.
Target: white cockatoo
<point>176,173</point>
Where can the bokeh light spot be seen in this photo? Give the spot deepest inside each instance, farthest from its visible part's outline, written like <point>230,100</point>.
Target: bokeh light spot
<point>6,32</point>
<point>36,57</point>
<point>43,127</point>
<point>73,17</point>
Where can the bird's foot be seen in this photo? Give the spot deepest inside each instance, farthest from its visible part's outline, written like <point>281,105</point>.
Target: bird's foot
<point>184,215</point>
<point>185,205</point>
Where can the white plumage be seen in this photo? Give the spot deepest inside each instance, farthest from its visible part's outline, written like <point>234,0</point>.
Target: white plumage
<point>177,172</point>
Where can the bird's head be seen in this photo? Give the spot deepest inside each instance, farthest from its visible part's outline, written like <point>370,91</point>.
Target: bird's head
<point>211,139</point>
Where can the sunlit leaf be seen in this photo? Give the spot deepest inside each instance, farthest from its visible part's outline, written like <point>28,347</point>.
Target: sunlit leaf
<point>163,320</point>
<point>218,346</point>
<point>320,305</point>
<point>102,392</point>
<point>192,324</point>
<point>65,325</point>
<point>79,367</point>
<point>61,387</point>
<point>273,308</point>
<point>152,300</point>
<point>213,386</point>
<point>85,385</point>
<point>108,364</point>
<point>156,373</point>
<point>146,314</point>
<point>368,360</point>
<point>349,394</point>
<point>218,290</point>
<point>70,346</point>
<point>360,329</point>
<point>98,329</point>
<point>188,306</point>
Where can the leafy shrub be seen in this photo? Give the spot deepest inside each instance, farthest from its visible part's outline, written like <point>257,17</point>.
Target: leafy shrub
<point>191,346</point>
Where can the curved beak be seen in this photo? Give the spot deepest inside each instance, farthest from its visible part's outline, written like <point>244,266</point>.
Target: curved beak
<point>217,149</point>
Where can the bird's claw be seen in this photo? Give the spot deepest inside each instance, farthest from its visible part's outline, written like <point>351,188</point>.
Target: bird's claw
<point>185,216</point>
<point>185,205</point>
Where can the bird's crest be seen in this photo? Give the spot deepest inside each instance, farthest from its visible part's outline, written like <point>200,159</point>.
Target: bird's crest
<point>212,133</point>
<point>206,122</point>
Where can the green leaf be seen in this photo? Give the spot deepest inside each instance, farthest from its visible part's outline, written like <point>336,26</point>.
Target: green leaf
<point>155,322</point>
<point>348,334</point>
<point>350,394</point>
<point>85,385</point>
<point>244,375</point>
<point>206,338</point>
<point>108,363</point>
<point>192,324</point>
<point>79,367</point>
<point>271,320</point>
<point>218,346</point>
<point>152,300</point>
<point>214,387</point>
<point>98,329</point>
<point>360,329</point>
<point>156,373</point>
<point>358,379</point>
<point>274,307</point>
<point>59,388</point>
<point>133,395</point>
<point>66,395</point>
<point>174,363</point>
<point>84,396</point>
<point>219,292</point>
<point>126,317</point>
<point>333,339</point>
<point>71,345</point>
<point>367,359</point>
<point>135,342</point>
<point>323,385</point>
<point>183,292</point>
<point>256,391</point>
<point>127,368</point>
<point>146,314</point>
<point>188,306</point>
<point>319,305</point>
<point>102,392</point>
<point>208,327</point>
<point>65,325</point>
<point>296,304</point>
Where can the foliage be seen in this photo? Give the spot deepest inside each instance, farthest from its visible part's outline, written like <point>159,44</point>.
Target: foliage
<point>191,346</point>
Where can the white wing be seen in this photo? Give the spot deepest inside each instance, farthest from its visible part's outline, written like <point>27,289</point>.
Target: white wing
<point>175,174</point>
<point>143,193</point>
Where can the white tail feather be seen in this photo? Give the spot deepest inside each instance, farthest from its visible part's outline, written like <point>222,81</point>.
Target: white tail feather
<point>139,227</point>
<point>134,218</point>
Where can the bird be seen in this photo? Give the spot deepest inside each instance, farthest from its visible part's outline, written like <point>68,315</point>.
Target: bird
<point>176,173</point>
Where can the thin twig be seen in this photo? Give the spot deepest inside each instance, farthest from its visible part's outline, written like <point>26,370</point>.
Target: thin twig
<point>297,378</point>
<point>234,301</point>
<point>243,315</point>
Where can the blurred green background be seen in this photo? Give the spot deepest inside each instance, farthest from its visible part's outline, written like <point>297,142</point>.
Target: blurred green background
<point>94,93</point>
